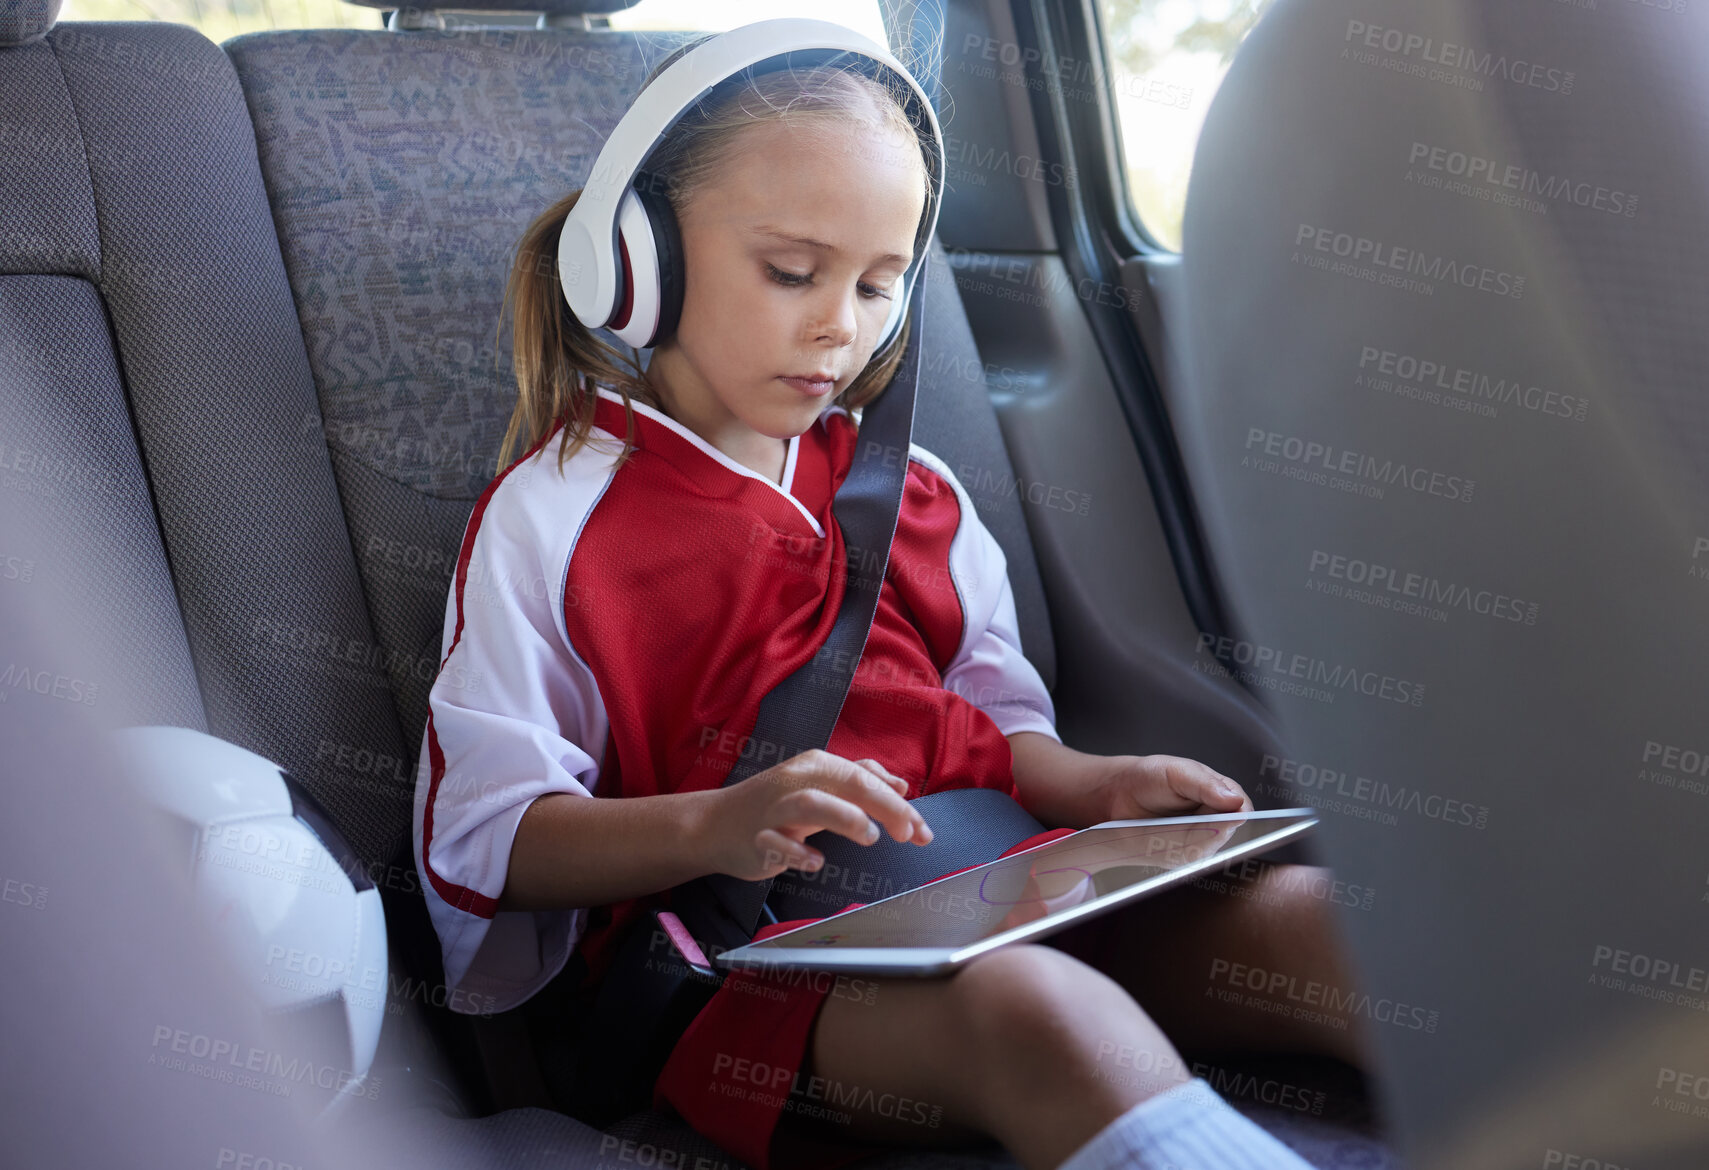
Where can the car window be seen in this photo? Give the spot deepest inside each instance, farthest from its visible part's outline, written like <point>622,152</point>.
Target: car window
<point>1165,59</point>
<point>718,15</point>
<point>220,20</point>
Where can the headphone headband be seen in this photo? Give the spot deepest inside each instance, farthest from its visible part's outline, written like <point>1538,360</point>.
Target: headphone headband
<point>610,265</point>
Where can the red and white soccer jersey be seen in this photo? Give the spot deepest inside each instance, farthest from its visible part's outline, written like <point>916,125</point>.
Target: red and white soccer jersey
<point>611,633</point>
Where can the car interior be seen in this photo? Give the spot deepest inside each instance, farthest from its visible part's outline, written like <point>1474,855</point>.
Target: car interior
<point>250,306</point>
<point>272,271</point>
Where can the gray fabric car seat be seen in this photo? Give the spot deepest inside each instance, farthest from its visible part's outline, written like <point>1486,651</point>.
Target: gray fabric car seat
<point>400,181</point>
<point>163,444</point>
<point>402,168</point>
<point>397,232</point>
<point>134,187</point>
<point>1460,441</point>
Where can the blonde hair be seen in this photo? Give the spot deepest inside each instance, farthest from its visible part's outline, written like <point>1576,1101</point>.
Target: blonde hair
<point>559,360</point>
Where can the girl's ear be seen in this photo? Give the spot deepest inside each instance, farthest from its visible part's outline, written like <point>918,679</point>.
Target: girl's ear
<point>652,274</point>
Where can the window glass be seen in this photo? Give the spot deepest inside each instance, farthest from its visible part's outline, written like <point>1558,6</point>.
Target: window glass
<point>861,15</point>
<point>221,20</point>
<point>1166,59</point>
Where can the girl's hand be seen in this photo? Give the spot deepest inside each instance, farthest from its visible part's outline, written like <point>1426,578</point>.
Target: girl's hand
<point>759,824</point>
<point>1138,787</point>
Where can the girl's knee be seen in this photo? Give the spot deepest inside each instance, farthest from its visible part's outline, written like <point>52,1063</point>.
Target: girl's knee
<point>1040,996</point>
<point>1020,981</point>
<point>1044,1023</point>
<point>1298,893</point>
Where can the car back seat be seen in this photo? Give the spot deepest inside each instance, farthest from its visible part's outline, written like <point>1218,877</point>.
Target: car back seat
<point>298,313</point>
<point>164,441</point>
<point>402,168</point>
<point>163,416</point>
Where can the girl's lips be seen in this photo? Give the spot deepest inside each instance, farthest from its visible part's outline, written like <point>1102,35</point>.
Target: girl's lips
<point>811,388</point>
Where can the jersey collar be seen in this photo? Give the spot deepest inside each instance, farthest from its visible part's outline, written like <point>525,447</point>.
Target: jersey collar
<point>785,489</point>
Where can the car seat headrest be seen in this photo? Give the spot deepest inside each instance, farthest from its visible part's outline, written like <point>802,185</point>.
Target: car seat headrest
<point>549,7</point>
<point>23,21</point>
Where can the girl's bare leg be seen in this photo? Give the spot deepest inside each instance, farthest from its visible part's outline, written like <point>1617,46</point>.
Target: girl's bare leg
<point>1028,1046</point>
<point>1206,962</point>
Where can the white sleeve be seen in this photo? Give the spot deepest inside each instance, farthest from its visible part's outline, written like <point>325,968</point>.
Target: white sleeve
<point>513,714</point>
<point>988,669</point>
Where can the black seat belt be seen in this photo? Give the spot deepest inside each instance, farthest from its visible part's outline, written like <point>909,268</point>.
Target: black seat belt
<point>650,993</point>
<point>801,712</point>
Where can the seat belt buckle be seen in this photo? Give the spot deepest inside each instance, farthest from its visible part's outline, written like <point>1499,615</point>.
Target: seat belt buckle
<point>683,942</point>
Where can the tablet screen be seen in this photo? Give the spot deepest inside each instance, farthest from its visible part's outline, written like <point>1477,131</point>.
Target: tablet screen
<point>986,901</point>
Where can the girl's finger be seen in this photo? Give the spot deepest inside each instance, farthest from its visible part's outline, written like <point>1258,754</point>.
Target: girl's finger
<point>778,848</point>
<point>1225,789</point>
<point>885,774</point>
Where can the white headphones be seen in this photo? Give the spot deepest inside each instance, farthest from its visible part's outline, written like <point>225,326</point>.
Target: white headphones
<point>620,254</point>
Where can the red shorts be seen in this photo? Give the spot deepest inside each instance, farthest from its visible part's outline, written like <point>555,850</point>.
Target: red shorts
<point>732,1070</point>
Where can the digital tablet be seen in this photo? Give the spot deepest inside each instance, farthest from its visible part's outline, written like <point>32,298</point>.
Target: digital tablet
<point>935,928</point>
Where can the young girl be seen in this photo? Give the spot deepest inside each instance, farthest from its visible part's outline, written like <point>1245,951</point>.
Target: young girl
<point>663,554</point>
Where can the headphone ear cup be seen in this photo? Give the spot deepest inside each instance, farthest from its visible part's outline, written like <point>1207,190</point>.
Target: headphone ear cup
<point>898,310</point>
<point>667,247</point>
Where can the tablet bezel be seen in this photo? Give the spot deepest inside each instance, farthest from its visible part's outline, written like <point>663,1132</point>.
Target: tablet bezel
<point>923,962</point>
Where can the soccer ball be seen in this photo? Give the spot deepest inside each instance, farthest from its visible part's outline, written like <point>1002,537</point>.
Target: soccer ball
<point>302,920</point>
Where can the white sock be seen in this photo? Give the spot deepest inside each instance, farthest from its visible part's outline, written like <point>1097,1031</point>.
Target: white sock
<point>1187,1127</point>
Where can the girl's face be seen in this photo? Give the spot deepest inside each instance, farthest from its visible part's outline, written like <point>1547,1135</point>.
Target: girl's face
<point>793,253</point>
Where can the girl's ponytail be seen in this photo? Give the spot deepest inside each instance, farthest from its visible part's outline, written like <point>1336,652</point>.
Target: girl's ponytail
<point>559,360</point>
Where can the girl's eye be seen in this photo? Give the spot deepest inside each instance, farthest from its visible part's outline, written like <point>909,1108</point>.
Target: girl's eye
<point>789,278</point>
<point>798,279</point>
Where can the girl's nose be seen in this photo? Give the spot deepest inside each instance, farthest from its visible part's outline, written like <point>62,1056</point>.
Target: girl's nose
<point>839,324</point>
